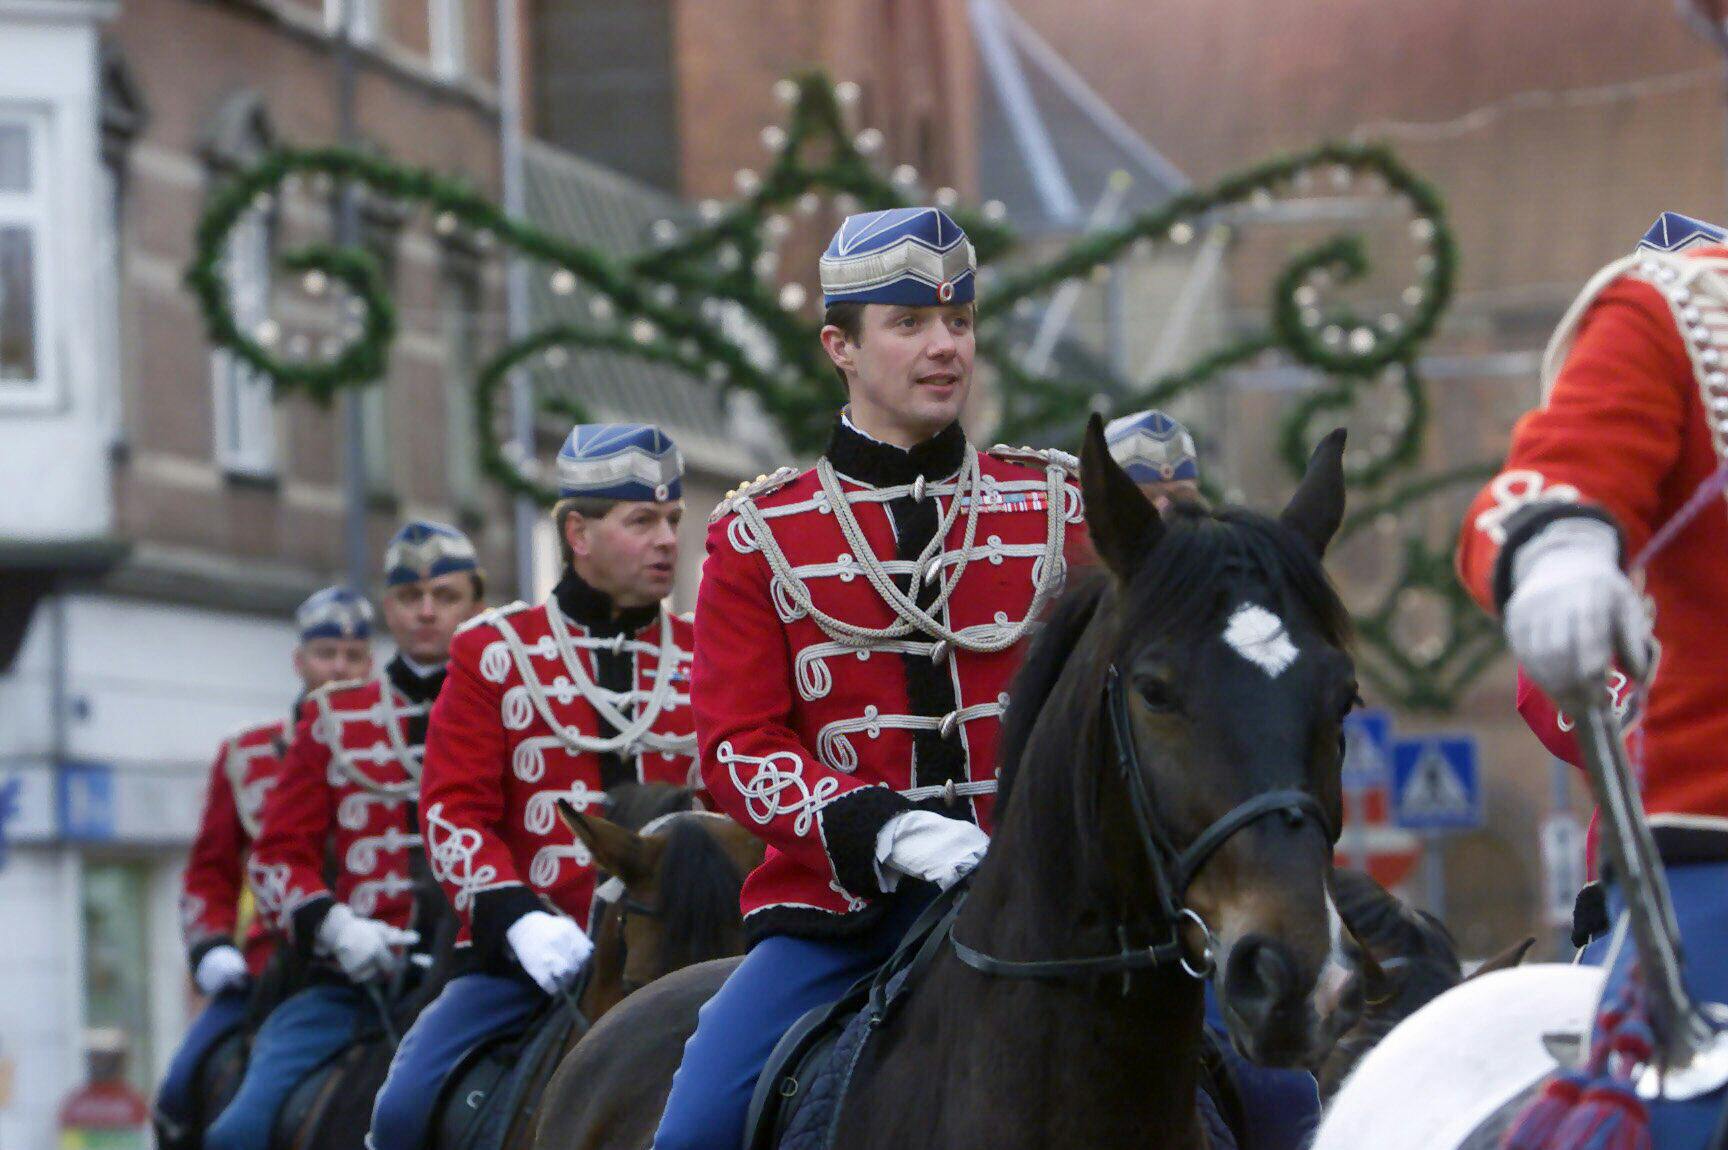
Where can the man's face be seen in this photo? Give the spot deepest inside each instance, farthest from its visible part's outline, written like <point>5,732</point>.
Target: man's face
<point>910,371</point>
<point>321,661</point>
<point>630,553</point>
<point>423,616</point>
<point>1164,495</point>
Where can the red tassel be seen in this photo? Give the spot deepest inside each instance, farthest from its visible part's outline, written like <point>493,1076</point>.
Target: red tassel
<point>1545,1114</point>
<point>1609,1116</point>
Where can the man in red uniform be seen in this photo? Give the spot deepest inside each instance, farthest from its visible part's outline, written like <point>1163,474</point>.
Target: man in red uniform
<point>335,628</point>
<point>346,792</point>
<point>556,702</point>
<point>1634,419</point>
<point>856,632</point>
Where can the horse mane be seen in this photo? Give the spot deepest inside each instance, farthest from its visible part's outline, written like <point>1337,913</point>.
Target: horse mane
<point>1427,959</point>
<point>635,805</point>
<point>1038,675</point>
<point>699,888</point>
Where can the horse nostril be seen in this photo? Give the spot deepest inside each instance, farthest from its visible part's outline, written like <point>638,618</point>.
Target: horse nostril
<point>1260,976</point>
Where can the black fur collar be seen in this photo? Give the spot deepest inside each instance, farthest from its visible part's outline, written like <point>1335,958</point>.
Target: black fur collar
<point>857,456</point>
<point>594,609</point>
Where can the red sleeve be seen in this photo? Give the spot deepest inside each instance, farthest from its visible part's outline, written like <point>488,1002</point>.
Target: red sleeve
<point>757,769</point>
<point>1608,434</point>
<point>287,869</point>
<point>462,799</point>
<point>210,892</point>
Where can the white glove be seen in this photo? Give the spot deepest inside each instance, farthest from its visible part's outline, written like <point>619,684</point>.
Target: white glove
<point>362,947</point>
<point>221,968</point>
<point>1572,609</point>
<point>550,947</point>
<point>928,846</point>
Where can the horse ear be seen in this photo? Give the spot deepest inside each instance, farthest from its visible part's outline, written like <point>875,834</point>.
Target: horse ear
<point>618,851</point>
<point>1506,959</point>
<point>1124,524</point>
<point>1317,508</point>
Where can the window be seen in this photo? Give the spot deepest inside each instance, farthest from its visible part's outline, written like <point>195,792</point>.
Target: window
<point>24,345</point>
<point>449,38</point>
<point>459,318</point>
<point>116,978</point>
<point>245,416</point>
<point>362,19</point>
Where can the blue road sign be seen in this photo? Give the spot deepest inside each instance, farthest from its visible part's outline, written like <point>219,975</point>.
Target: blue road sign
<point>86,802</point>
<point>1435,783</point>
<point>1367,750</point>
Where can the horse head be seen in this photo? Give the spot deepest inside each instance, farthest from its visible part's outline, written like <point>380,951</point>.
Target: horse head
<point>681,875</point>
<point>1226,648</point>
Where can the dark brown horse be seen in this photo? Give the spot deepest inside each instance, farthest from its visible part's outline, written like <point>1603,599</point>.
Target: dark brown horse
<point>1170,799</point>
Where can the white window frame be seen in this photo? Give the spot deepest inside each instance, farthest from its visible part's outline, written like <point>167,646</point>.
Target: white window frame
<point>244,407</point>
<point>34,209</point>
<point>364,19</point>
<point>447,35</point>
<point>110,324</point>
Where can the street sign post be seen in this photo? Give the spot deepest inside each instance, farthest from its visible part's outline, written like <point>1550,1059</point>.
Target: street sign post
<point>1436,785</point>
<point>1370,842</point>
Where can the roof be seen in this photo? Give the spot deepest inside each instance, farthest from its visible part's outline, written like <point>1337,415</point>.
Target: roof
<point>583,201</point>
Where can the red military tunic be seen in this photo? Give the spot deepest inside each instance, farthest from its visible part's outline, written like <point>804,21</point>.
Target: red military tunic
<point>558,701</point>
<point>346,793</point>
<point>245,769</point>
<point>813,732</point>
<point>1634,417</point>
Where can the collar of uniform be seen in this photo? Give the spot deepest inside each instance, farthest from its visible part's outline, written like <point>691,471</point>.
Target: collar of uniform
<point>418,688</point>
<point>594,609</point>
<point>858,456</point>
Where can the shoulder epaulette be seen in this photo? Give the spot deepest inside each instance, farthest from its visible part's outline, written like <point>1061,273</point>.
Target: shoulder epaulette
<point>238,733</point>
<point>1039,457</point>
<point>493,614</point>
<point>336,685</point>
<point>761,485</point>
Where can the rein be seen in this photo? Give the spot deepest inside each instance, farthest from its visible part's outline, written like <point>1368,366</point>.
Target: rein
<point>1173,870</point>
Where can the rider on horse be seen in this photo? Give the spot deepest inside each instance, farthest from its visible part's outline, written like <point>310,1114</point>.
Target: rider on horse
<point>347,792</point>
<point>857,628</point>
<point>335,627</point>
<point>1567,544</point>
<point>552,703</point>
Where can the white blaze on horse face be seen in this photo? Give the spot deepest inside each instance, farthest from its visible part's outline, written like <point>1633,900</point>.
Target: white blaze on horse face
<point>1259,636</point>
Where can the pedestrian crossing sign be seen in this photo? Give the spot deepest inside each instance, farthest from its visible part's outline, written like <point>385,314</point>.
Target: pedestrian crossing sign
<point>1435,783</point>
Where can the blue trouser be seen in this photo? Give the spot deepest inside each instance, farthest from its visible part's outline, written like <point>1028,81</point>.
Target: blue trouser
<point>469,1010</point>
<point>1281,1108</point>
<point>1701,910</point>
<point>779,981</point>
<point>299,1036</point>
<point>221,1015</point>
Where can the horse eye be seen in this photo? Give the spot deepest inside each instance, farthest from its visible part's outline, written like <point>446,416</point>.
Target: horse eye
<point>1158,693</point>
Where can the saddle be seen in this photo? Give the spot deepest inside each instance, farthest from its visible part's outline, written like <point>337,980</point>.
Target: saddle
<point>797,1101</point>
<point>497,1085</point>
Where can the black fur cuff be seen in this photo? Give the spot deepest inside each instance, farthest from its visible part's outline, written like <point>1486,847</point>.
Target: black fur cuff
<point>306,920</point>
<point>495,912</point>
<point>1523,526</point>
<point>850,825</point>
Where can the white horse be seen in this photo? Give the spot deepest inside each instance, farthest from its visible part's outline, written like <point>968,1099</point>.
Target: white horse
<point>1456,1073</point>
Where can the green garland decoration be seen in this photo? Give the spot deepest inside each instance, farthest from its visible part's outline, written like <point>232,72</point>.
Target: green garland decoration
<point>650,306</point>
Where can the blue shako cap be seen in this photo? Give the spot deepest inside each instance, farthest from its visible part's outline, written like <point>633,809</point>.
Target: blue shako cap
<point>424,549</point>
<point>630,462</point>
<point>914,257</point>
<point>1152,447</point>
<point>334,613</point>
<point>1673,232</point>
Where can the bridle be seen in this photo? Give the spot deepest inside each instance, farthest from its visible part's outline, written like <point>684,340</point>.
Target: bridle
<point>1173,870</point>
<point>624,908</point>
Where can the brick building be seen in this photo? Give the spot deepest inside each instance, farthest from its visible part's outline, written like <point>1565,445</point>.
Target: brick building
<point>1554,132</point>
